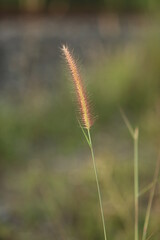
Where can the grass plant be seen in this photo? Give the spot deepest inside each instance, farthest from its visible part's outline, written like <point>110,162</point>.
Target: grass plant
<point>134,133</point>
<point>150,201</point>
<point>85,123</point>
<point>151,187</point>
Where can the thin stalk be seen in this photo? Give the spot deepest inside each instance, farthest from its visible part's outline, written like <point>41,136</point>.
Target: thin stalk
<point>134,135</point>
<point>136,182</point>
<point>97,182</point>
<point>155,178</point>
<point>147,188</point>
<point>127,123</point>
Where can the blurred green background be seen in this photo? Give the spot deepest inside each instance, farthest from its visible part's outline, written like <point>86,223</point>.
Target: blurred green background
<point>47,181</point>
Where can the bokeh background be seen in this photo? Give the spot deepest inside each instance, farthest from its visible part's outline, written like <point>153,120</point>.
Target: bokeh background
<point>47,185</point>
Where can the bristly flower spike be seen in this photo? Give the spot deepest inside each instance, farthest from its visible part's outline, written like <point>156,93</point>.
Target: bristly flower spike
<point>80,90</point>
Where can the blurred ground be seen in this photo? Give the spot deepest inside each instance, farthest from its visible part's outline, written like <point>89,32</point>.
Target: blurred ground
<point>47,183</point>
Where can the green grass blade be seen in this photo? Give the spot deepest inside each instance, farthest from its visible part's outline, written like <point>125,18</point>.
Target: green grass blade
<point>147,188</point>
<point>147,217</point>
<point>135,136</point>
<point>84,134</point>
<point>127,123</point>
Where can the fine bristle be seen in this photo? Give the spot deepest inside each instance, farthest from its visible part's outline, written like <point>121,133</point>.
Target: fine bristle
<point>80,91</point>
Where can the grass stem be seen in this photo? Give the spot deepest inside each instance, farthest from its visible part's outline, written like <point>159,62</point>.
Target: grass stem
<point>135,136</point>
<point>97,182</point>
<point>155,178</point>
<point>136,182</point>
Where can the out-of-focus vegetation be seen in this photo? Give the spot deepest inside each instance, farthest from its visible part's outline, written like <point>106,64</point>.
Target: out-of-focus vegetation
<point>47,182</point>
<point>63,204</point>
<point>57,6</point>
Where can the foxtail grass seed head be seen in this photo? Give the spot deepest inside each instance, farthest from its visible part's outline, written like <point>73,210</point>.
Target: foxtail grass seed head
<point>79,87</point>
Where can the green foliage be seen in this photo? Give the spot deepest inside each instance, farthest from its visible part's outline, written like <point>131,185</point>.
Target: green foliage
<point>63,202</point>
<point>129,78</point>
